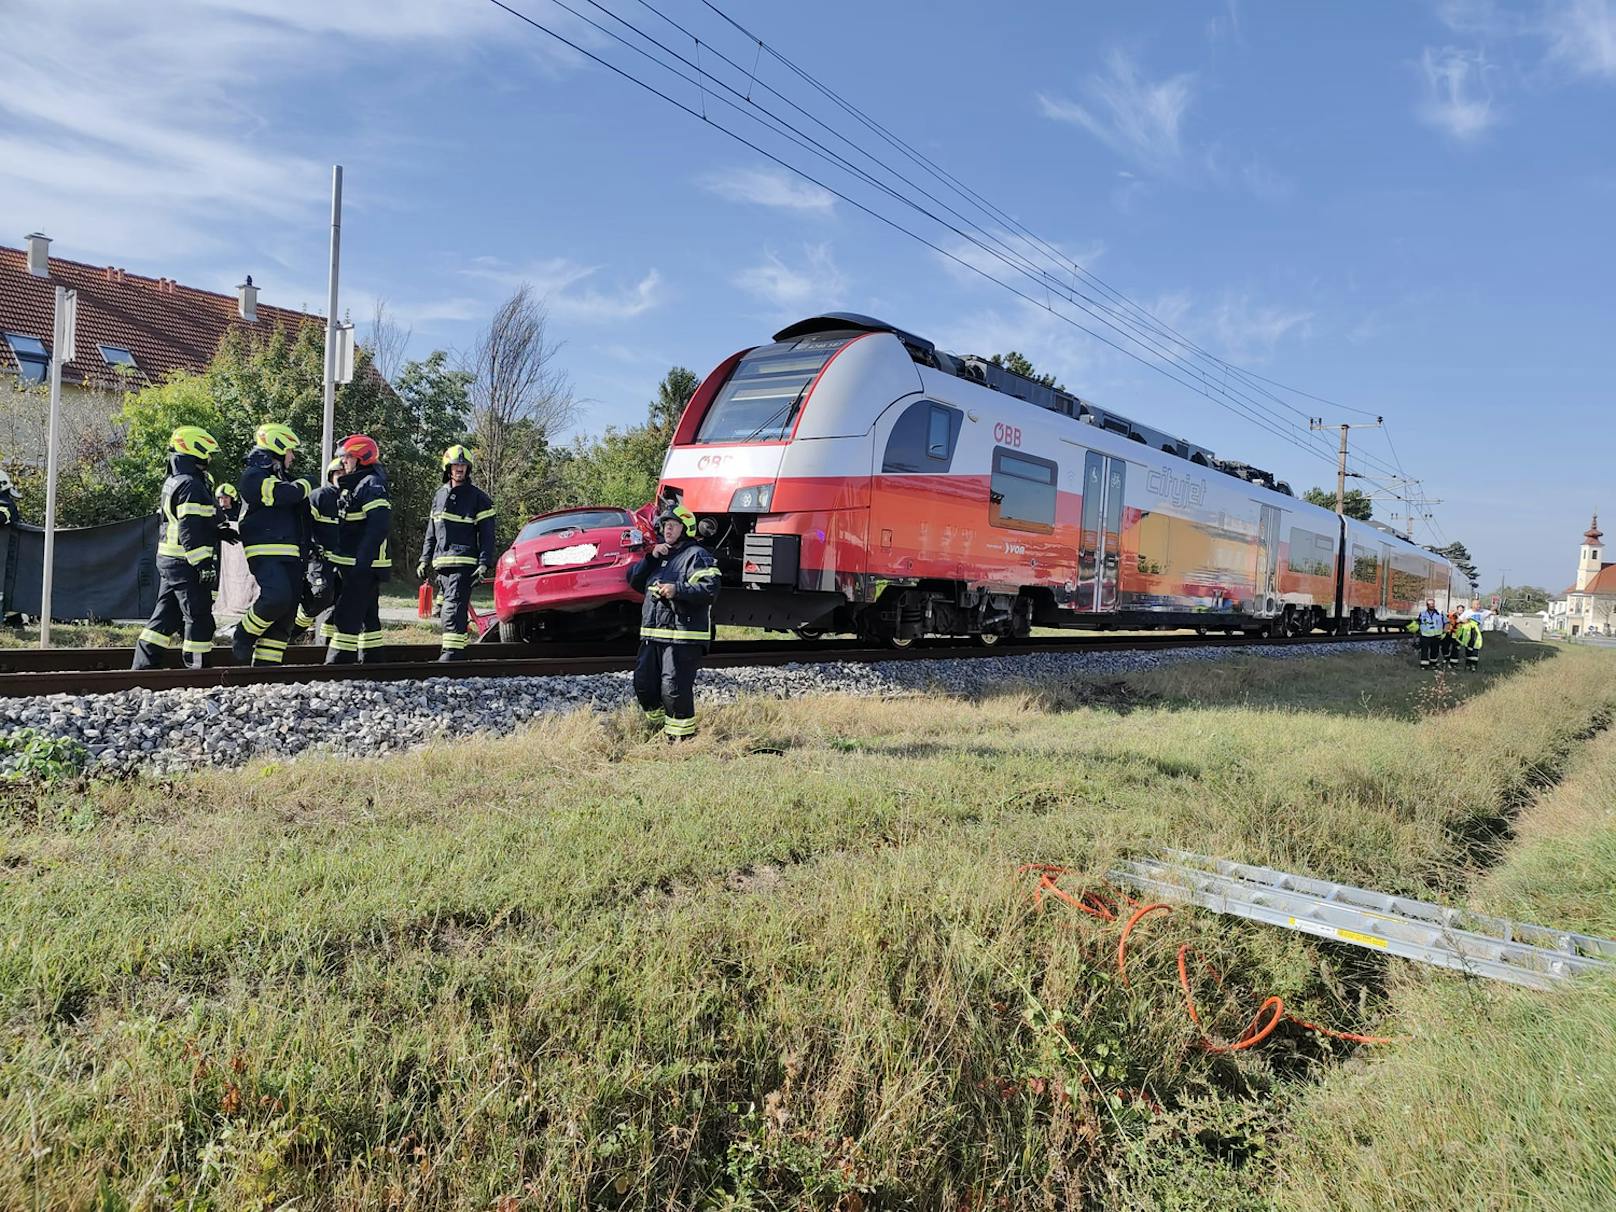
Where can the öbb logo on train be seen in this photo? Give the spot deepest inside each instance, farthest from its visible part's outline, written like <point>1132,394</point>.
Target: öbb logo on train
<point>1006,435</point>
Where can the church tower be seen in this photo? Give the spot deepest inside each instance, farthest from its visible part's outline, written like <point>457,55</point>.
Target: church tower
<point>1591,560</point>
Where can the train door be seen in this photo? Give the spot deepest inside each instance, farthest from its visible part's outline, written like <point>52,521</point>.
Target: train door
<point>1099,556</point>
<point>1267,602</point>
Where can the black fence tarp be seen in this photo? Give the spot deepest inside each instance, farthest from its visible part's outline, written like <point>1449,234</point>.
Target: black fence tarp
<point>102,572</point>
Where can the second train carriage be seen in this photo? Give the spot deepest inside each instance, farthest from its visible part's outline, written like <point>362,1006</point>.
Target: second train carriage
<point>850,476</point>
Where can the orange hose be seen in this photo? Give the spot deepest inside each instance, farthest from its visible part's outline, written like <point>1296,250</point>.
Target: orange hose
<point>1269,1014</point>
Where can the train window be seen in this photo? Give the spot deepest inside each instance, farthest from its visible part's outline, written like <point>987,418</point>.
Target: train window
<point>1022,496</point>
<point>1408,580</point>
<point>1311,554</point>
<point>761,400</point>
<point>1365,567</point>
<point>923,439</point>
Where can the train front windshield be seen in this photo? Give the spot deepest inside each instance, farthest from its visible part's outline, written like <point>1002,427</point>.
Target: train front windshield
<point>762,398</point>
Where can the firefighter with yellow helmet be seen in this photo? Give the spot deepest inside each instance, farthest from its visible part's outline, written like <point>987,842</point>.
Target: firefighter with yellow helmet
<point>679,579</point>
<point>187,555</point>
<point>274,529</point>
<point>458,547</point>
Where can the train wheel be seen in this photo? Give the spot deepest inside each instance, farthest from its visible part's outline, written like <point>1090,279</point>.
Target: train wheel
<point>988,639</point>
<point>809,634</point>
<point>899,641</point>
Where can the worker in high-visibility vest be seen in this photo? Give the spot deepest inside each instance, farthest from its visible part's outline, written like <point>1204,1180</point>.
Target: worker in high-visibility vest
<point>1467,636</point>
<point>1431,625</point>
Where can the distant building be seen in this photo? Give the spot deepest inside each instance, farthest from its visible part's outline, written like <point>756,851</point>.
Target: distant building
<point>1589,605</point>
<point>132,331</point>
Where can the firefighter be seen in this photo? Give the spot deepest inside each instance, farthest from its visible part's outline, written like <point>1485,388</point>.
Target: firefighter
<point>680,582</point>
<point>187,563</point>
<point>1467,636</point>
<point>1450,642</point>
<point>1431,626</point>
<point>458,547</point>
<point>228,502</point>
<point>321,582</point>
<point>356,625</point>
<point>273,532</point>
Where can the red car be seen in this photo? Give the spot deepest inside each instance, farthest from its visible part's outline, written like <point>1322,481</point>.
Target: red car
<point>566,575</point>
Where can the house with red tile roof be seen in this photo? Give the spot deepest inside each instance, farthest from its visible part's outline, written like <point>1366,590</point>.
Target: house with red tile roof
<point>132,330</point>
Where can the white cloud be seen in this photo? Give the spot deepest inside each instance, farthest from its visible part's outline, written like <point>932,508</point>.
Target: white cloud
<point>1137,118</point>
<point>1582,35</point>
<point>1244,332</point>
<point>1458,100</point>
<point>769,187</point>
<point>559,281</point>
<point>134,136</point>
<point>816,283</point>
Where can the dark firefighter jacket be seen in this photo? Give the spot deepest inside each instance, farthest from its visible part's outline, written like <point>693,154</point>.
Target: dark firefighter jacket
<point>326,508</point>
<point>8,507</point>
<point>460,533</point>
<point>274,509</point>
<point>686,617</point>
<point>190,518</point>
<point>362,533</point>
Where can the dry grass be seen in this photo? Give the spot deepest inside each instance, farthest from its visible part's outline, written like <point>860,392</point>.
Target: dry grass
<point>788,965</point>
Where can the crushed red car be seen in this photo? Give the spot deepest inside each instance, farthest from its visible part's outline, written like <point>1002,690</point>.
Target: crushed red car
<point>566,575</point>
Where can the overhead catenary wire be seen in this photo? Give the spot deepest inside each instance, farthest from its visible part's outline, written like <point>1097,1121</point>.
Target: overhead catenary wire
<point>1127,327</point>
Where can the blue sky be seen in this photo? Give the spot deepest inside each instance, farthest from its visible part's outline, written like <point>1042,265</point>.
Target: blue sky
<point>1401,207</point>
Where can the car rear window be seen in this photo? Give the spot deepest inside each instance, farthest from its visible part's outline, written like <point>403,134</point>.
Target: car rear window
<point>578,519</point>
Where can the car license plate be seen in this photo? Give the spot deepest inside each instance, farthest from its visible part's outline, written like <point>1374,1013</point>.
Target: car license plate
<point>579,553</point>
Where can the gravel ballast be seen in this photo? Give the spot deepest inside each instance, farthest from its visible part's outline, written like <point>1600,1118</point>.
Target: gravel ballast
<point>168,731</point>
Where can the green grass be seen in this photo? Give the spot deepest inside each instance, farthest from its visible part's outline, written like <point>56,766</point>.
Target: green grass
<point>73,635</point>
<point>789,965</point>
<point>1506,1098</point>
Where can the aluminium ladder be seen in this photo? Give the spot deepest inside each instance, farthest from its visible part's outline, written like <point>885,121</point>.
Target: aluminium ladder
<point>1535,956</point>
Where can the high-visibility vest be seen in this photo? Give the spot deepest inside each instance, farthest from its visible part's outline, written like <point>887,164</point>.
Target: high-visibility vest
<point>1432,622</point>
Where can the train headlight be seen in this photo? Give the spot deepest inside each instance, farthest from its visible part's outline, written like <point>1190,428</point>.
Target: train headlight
<point>755,499</point>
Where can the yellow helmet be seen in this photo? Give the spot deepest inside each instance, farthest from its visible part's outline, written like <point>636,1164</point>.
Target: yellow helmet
<point>195,441</point>
<point>227,490</point>
<point>456,454</point>
<point>333,468</point>
<point>277,439</point>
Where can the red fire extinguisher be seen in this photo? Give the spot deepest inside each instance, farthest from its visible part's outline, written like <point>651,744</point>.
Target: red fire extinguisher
<point>423,601</point>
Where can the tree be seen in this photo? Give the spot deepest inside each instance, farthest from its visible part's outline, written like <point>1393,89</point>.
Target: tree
<point>1523,599</point>
<point>622,467</point>
<point>387,341</point>
<point>1019,364</point>
<point>520,399</point>
<point>1457,555</point>
<point>1355,503</point>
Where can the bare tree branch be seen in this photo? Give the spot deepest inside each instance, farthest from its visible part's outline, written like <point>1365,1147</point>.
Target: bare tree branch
<point>388,340</point>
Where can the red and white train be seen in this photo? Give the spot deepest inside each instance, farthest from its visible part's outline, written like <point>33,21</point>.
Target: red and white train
<point>852,477</point>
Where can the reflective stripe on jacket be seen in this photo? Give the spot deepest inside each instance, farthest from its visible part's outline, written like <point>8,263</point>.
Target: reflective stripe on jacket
<point>362,533</point>
<point>274,509</point>
<point>460,533</point>
<point>325,518</point>
<point>687,616</point>
<point>190,518</point>
<point>1432,622</point>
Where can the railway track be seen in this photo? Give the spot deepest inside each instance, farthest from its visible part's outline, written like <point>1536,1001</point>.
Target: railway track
<point>88,671</point>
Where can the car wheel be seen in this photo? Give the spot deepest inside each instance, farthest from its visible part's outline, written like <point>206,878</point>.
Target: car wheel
<point>510,632</point>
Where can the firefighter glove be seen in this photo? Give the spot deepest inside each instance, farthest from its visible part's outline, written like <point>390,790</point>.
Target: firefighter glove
<point>420,571</point>
<point>207,576</point>
<point>482,572</point>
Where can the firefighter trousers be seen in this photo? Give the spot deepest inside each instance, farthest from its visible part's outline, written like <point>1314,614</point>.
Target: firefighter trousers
<point>183,607</point>
<point>263,632</point>
<point>356,623</point>
<point>455,586</point>
<point>1430,650</point>
<point>320,588</point>
<point>665,684</point>
<point>1450,650</point>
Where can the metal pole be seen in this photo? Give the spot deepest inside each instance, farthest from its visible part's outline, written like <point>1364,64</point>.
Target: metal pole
<point>329,418</point>
<point>58,342</point>
<point>1341,476</point>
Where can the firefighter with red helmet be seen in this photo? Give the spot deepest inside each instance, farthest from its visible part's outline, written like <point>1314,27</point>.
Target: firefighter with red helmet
<point>187,554</point>
<point>680,582</point>
<point>366,516</point>
<point>273,529</point>
<point>458,547</point>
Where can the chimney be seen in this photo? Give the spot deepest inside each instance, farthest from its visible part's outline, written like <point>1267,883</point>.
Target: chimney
<point>247,301</point>
<point>38,255</point>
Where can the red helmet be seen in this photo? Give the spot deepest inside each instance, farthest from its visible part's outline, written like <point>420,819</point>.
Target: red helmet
<point>362,449</point>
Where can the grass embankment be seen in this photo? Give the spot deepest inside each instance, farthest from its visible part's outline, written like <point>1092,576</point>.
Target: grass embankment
<point>788,965</point>
<point>1507,1098</point>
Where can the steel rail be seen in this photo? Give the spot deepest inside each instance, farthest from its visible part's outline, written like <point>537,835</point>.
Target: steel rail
<point>726,654</point>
